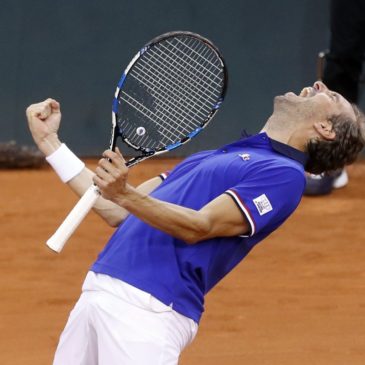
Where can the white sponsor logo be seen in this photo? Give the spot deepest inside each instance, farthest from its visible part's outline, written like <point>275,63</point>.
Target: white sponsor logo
<point>245,156</point>
<point>263,204</point>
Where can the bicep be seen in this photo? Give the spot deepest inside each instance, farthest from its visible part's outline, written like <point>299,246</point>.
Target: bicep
<point>225,218</point>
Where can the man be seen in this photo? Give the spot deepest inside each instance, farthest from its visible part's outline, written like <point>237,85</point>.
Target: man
<point>184,231</point>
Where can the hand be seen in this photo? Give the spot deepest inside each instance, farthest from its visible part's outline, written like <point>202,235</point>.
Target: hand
<point>111,176</point>
<point>44,120</point>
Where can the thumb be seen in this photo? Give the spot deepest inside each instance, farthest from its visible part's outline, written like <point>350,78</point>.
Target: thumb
<point>117,150</point>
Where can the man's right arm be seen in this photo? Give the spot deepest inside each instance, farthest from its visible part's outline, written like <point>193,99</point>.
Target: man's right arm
<point>44,120</point>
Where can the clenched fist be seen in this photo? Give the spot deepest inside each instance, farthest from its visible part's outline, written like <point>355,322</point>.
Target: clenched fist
<point>44,120</point>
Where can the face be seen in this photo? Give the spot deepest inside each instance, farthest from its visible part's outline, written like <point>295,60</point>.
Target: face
<point>316,102</point>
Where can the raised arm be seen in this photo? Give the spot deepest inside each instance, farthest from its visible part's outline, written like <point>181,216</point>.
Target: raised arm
<point>44,120</point>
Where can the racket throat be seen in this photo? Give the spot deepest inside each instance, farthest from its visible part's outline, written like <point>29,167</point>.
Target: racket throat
<point>134,160</point>
<point>114,136</point>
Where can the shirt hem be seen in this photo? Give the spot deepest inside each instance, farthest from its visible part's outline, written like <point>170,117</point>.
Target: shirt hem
<point>162,297</point>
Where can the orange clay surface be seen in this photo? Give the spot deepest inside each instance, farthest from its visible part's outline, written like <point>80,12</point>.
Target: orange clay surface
<point>297,299</point>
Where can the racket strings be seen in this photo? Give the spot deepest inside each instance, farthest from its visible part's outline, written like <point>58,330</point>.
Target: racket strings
<point>175,80</point>
<point>196,61</point>
<point>143,110</point>
<point>163,116</point>
<point>189,42</point>
<point>166,111</point>
<point>203,64</point>
<point>192,82</point>
<point>186,87</point>
<point>168,99</point>
<point>195,100</point>
<point>184,78</point>
<point>180,64</point>
<point>170,131</point>
<point>167,89</point>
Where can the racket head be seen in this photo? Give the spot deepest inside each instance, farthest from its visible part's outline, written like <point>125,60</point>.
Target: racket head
<point>168,93</point>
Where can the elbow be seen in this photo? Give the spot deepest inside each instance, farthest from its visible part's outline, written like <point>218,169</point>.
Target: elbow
<point>114,223</point>
<point>114,220</point>
<point>197,233</point>
<point>190,239</point>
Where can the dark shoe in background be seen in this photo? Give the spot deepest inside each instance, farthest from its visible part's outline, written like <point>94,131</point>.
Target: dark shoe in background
<point>323,184</point>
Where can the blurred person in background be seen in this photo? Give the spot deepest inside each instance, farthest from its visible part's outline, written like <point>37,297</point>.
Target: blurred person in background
<point>342,72</point>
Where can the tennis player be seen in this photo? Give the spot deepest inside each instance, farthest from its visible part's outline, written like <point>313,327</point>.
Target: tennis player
<point>180,233</point>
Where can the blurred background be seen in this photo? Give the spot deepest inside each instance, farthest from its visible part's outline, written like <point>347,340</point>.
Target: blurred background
<point>75,52</point>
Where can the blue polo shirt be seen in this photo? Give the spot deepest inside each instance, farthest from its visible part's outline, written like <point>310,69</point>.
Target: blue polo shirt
<point>265,179</point>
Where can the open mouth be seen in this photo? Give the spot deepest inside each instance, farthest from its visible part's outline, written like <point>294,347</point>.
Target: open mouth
<point>307,92</point>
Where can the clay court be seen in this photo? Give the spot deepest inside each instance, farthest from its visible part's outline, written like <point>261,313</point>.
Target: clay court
<point>298,299</point>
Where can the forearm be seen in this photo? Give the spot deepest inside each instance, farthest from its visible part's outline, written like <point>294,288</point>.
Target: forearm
<point>107,210</point>
<point>110,212</point>
<point>183,223</point>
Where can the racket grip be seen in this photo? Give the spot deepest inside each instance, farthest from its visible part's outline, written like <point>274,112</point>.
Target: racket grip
<point>73,220</point>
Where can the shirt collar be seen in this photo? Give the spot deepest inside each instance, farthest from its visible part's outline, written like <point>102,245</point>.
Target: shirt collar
<point>282,148</point>
<point>289,151</point>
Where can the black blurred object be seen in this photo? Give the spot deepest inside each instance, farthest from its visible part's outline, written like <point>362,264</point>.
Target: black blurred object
<point>323,184</point>
<point>13,156</point>
<point>344,60</point>
<point>340,68</point>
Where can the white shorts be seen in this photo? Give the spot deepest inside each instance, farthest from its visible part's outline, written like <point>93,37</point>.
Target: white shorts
<point>114,323</point>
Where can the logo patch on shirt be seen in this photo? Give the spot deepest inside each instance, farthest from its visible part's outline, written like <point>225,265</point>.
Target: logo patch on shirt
<point>245,156</point>
<point>263,204</point>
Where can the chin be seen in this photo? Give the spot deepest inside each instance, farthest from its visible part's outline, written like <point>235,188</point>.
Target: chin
<point>280,100</point>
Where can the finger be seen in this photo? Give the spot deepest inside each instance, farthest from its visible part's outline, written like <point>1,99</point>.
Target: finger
<point>114,154</point>
<point>116,159</point>
<point>55,105</point>
<point>35,110</point>
<point>104,174</point>
<point>115,171</point>
<point>100,183</point>
<point>106,165</point>
<point>44,113</point>
<point>117,150</point>
<point>41,110</point>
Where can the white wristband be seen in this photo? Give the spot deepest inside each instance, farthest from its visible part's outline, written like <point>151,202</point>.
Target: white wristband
<point>65,163</point>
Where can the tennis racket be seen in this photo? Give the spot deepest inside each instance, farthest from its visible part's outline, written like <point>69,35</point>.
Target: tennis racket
<point>168,93</point>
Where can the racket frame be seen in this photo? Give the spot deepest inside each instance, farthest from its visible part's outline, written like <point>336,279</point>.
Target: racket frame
<point>146,153</point>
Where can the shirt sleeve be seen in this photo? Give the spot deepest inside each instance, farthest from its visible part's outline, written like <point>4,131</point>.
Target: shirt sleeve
<point>268,197</point>
<point>164,175</point>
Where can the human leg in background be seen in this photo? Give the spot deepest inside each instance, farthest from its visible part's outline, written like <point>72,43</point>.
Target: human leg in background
<point>342,71</point>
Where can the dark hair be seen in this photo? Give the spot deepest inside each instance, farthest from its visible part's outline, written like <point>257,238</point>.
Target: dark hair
<point>327,156</point>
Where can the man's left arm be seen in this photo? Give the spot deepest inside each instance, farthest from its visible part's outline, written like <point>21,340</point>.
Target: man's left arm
<point>221,217</point>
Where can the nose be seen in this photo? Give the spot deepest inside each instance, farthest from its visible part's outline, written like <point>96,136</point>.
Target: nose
<point>320,86</point>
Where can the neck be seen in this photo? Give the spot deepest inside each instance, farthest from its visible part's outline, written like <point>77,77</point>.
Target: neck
<point>285,132</point>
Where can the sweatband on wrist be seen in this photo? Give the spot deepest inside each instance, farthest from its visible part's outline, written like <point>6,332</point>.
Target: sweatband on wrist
<point>65,163</point>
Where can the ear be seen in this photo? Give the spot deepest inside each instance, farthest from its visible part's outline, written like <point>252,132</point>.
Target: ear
<point>324,129</point>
